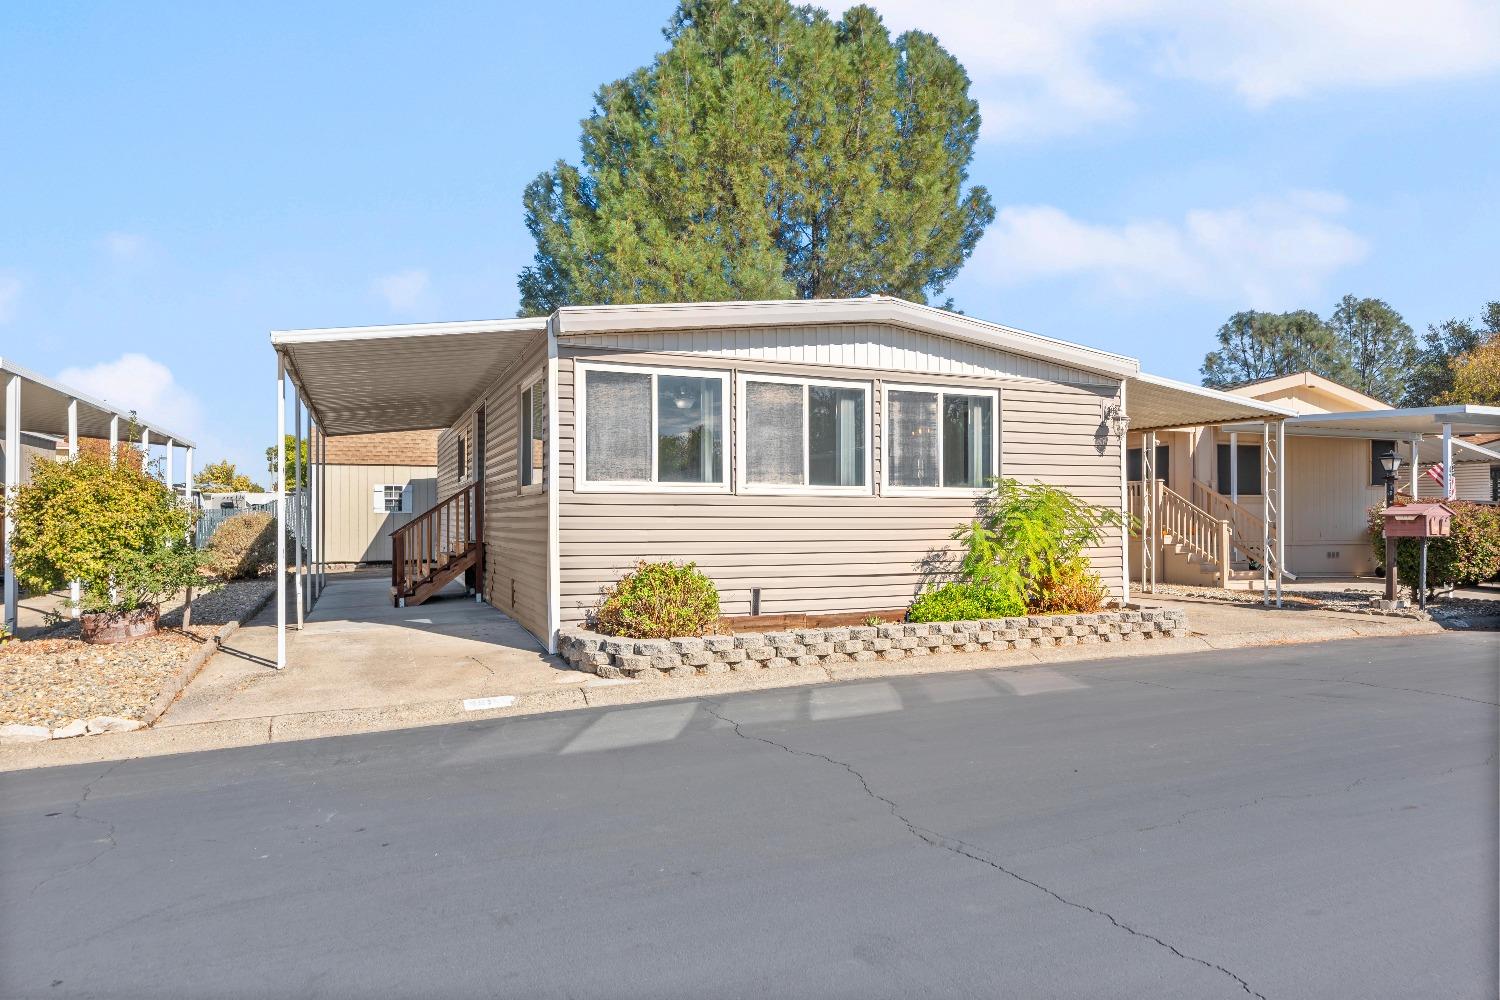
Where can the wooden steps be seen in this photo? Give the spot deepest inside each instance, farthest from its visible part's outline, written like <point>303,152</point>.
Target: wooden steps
<point>437,545</point>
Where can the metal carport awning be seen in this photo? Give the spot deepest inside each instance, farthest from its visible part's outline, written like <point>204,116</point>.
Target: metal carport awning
<point>1154,403</point>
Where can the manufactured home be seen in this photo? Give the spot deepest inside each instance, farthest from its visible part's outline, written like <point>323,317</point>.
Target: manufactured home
<point>1332,473</point>
<point>810,456</point>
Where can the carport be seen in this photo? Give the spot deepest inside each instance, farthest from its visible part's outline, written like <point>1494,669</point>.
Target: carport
<point>40,405</point>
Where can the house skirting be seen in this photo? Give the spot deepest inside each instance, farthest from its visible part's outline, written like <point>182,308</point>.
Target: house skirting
<point>645,659</point>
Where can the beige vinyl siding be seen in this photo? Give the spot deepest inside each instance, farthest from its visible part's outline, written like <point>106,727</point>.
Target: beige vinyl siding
<point>819,553</point>
<point>356,533</point>
<point>515,531</point>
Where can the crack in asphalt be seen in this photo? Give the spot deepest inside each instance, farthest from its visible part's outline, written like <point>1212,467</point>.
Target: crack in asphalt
<point>77,814</point>
<point>1439,694</point>
<point>953,845</point>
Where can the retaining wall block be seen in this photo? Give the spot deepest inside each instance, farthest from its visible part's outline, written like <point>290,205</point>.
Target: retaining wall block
<point>818,648</point>
<point>719,643</point>
<point>862,632</point>
<point>684,646</point>
<point>863,655</point>
<point>778,663</point>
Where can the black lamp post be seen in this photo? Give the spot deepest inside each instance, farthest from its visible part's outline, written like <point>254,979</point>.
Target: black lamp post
<point>1391,463</point>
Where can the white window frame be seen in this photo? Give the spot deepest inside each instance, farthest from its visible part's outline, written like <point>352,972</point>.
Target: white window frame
<point>741,453</point>
<point>887,487</point>
<point>538,377</point>
<point>385,488</point>
<point>583,484</point>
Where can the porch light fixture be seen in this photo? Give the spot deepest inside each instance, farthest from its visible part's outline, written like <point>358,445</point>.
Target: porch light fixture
<point>1391,463</point>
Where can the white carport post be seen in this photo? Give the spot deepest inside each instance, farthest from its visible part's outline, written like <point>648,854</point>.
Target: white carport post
<point>317,518</point>
<point>187,477</point>
<point>1150,534</point>
<point>301,530</point>
<point>1265,512</point>
<point>145,449</point>
<point>1234,467</point>
<point>1280,506</point>
<point>171,446</point>
<point>114,439</point>
<point>12,481</point>
<point>75,588</point>
<point>279,480</point>
<point>1450,488</point>
<point>1416,465</point>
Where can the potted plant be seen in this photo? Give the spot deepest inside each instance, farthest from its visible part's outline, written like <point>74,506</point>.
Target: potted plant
<point>113,527</point>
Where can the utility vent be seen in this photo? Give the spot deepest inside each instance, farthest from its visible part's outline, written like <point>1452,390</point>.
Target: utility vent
<point>1335,554</point>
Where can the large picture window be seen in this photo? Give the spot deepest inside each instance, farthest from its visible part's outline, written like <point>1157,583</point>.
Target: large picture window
<point>940,438</point>
<point>804,434</point>
<point>656,427</point>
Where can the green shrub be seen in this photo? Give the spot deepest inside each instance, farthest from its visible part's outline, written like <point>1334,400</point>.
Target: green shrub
<point>957,602</point>
<point>1028,542</point>
<point>660,600</point>
<point>1471,554</point>
<point>242,546</point>
<point>113,527</point>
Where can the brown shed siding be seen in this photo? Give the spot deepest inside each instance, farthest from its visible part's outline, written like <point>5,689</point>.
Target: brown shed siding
<point>417,448</point>
<point>515,532</point>
<point>821,553</point>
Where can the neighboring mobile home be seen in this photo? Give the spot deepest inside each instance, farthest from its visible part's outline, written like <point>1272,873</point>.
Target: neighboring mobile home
<point>1332,469</point>
<point>810,456</point>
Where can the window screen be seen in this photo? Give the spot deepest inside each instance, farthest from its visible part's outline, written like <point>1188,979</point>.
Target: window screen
<point>773,433</point>
<point>913,433</point>
<point>835,435</point>
<point>534,433</point>
<point>617,430</point>
<point>1133,470</point>
<point>1249,462</point>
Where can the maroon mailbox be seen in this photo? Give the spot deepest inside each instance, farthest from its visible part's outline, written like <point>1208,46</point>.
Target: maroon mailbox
<point>1418,520</point>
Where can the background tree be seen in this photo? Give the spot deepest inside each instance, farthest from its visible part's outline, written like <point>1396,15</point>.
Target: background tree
<point>1378,345</point>
<point>1442,346</point>
<point>770,152</point>
<point>1259,345</point>
<point>223,477</point>
<point>1476,376</point>
<point>291,461</point>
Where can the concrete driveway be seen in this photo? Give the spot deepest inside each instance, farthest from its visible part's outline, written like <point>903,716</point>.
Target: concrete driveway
<point>358,653</point>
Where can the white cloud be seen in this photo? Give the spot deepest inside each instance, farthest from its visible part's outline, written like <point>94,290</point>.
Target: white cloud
<point>10,295</point>
<point>126,248</point>
<point>405,290</point>
<point>1270,253</point>
<point>137,382</point>
<point>1043,68</point>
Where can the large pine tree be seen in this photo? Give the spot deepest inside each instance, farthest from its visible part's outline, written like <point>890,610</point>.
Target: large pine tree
<point>770,152</point>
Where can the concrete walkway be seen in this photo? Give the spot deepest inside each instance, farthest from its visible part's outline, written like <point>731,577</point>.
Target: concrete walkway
<point>358,653</point>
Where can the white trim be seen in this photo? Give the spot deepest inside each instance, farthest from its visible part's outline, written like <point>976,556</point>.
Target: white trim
<point>554,542</point>
<point>887,488</point>
<point>335,334</point>
<point>742,484</point>
<point>581,482</point>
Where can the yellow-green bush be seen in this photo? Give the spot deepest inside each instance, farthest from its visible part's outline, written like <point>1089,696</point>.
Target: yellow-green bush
<point>660,600</point>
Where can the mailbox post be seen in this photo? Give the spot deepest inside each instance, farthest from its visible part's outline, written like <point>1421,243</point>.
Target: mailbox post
<point>1414,520</point>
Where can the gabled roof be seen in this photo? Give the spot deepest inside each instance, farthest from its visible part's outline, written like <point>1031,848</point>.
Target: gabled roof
<point>1355,399</point>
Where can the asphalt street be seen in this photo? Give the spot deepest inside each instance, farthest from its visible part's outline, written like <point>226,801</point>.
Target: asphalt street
<point>1298,821</point>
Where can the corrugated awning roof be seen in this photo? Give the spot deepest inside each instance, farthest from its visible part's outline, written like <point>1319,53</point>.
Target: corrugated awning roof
<point>419,376</point>
<point>1154,403</point>
<point>44,410</point>
<point>1398,423</point>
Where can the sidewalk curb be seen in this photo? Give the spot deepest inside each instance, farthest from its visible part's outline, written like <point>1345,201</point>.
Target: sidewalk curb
<point>260,730</point>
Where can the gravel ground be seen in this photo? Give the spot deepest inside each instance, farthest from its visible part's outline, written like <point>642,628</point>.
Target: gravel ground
<point>54,680</point>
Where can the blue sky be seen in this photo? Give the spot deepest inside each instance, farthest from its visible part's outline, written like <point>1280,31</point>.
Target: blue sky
<point>180,179</point>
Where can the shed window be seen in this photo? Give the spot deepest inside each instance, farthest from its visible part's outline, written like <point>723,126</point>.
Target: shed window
<point>803,433</point>
<point>1377,471</point>
<point>1248,458</point>
<point>391,498</point>
<point>653,426</point>
<point>940,438</point>
<point>533,439</point>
